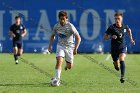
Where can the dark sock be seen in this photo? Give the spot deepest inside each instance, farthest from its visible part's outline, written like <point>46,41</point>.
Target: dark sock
<point>16,57</point>
<point>122,67</point>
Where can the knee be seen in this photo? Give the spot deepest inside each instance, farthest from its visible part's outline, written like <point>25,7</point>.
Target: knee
<point>15,51</point>
<point>122,58</point>
<point>19,54</point>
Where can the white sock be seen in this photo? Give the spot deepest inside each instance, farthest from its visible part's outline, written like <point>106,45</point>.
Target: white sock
<point>58,73</point>
<point>16,61</point>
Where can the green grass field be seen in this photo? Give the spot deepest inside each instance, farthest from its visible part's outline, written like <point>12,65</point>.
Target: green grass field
<point>85,77</point>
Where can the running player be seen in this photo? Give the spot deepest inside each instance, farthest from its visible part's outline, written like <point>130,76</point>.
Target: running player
<point>65,47</point>
<point>117,33</point>
<point>17,32</point>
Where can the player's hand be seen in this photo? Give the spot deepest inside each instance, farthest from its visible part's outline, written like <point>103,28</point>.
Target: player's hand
<point>22,35</point>
<point>13,35</point>
<point>132,41</point>
<point>75,51</point>
<point>114,37</point>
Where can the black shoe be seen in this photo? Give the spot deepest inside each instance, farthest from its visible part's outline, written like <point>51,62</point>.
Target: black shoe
<point>66,68</point>
<point>122,80</point>
<point>16,63</point>
<point>116,67</point>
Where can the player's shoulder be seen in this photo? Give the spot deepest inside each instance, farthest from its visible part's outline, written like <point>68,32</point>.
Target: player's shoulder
<point>111,26</point>
<point>70,25</point>
<point>22,26</point>
<point>13,25</point>
<point>57,25</point>
<point>125,25</point>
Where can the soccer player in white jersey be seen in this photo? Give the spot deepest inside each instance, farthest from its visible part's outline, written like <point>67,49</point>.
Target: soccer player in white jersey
<point>66,47</point>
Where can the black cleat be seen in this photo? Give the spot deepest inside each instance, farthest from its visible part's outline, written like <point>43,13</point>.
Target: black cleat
<point>115,66</point>
<point>66,68</point>
<point>16,63</point>
<point>122,80</point>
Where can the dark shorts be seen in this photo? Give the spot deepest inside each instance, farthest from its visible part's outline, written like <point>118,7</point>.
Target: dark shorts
<point>18,44</point>
<point>116,52</point>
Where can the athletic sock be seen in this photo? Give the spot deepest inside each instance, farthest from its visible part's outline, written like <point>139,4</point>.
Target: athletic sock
<point>122,67</point>
<point>58,73</point>
<point>16,57</point>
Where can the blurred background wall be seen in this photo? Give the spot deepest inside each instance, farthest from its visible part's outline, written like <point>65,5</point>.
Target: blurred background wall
<point>90,17</point>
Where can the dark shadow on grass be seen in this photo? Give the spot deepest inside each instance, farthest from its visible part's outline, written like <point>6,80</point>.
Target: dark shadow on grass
<point>26,85</point>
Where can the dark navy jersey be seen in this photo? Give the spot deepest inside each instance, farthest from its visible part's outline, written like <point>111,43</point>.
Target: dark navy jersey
<point>120,32</point>
<point>17,30</point>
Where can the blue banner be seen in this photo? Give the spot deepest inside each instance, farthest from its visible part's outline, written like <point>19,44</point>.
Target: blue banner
<point>90,17</point>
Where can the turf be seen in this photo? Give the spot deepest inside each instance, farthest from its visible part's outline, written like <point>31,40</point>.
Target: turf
<point>91,74</point>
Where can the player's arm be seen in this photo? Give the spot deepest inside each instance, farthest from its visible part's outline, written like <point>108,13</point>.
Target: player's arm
<point>11,34</point>
<point>106,37</point>
<point>52,38</point>
<point>130,36</point>
<point>78,40</point>
<point>24,32</point>
<point>51,42</point>
<point>77,37</point>
<point>108,33</point>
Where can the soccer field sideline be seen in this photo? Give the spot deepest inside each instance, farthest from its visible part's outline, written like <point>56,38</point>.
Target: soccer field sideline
<point>93,83</point>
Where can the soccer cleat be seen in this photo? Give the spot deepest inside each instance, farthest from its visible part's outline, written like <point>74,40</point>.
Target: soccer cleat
<point>66,68</point>
<point>116,66</point>
<point>16,61</point>
<point>122,80</point>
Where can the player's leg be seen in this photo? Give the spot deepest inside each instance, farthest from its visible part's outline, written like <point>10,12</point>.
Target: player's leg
<point>122,66</point>
<point>68,65</point>
<point>15,51</point>
<point>115,57</point>
<point>20,51</point>
<point>116,64</point>
<point>69,58</point>
<point>59,57</point>
<point>20,48</point>
<point>58,67</point>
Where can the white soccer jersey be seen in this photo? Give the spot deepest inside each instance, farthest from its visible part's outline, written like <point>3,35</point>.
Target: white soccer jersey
<point>65,34</point>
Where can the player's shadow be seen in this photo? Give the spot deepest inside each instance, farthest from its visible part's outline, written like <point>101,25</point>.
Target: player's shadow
<point>28,85</point>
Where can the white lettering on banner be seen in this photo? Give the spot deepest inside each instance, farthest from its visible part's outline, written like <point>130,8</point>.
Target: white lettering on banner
<point>1,25</point>
<point>25,14</point>
<point>70,13</point>
<point>44,26</point>
<point>110,16</point>
<point>96,24</point>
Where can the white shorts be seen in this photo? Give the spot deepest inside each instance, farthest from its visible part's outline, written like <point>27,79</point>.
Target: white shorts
<point>65,52</point>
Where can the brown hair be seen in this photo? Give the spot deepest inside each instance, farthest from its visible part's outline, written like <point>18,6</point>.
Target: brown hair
<point>17,17</point>
<point>118,14</point>
<point>63,13</point>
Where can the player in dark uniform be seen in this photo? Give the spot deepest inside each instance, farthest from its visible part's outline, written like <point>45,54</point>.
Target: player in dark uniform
<point>17,32</point>
<point>117,33</point>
